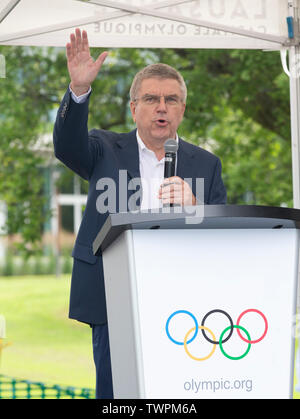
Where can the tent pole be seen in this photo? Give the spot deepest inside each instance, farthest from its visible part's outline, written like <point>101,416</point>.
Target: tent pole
<point>294,52</point>
<point>294,65</point>
<point>294,74</point>
<point>8,9</point>
<point>294,56</point>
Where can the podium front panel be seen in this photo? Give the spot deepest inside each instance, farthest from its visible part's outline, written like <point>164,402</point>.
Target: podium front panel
<point>202,313</point>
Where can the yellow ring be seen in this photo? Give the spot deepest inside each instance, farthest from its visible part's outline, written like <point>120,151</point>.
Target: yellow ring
<point>185,343</point>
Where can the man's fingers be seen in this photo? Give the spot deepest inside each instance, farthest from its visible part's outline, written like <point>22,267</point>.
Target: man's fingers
<point>100,60</point>
<point>78,40</point>
<point>173,199</point>
<point>82,68</point>
<point>69,51</point>
<point>174,180</point>
<point>85,42</point>
<point>73,44</point>
<point>166,189</point>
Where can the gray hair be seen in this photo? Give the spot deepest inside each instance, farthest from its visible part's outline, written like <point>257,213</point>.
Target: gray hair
<point>160,71</point>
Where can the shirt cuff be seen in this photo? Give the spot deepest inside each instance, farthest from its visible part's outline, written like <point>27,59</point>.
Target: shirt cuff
<point>81,98</point>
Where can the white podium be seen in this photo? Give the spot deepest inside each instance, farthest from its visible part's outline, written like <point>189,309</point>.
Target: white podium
<point>204,309</point>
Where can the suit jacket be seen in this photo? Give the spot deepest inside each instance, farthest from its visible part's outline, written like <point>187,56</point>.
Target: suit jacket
<point>97,154</point>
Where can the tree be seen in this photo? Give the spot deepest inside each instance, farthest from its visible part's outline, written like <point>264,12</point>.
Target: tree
<point>20,121</point>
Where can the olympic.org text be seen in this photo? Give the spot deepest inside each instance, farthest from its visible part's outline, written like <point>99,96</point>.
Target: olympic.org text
<point>197,386</point>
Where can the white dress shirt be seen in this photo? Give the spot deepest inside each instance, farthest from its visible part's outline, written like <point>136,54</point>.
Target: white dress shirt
<point>151,169</point>
<point>152,175</point>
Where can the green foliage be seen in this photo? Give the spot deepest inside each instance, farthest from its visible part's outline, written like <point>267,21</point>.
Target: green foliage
<point>256,161</point>
<point>23,114</point>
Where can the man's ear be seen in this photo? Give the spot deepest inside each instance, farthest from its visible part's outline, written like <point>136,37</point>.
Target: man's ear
<point>184,105</point>
<point>132,108</point>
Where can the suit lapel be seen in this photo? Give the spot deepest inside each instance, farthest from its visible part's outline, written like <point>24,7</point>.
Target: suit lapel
<point>185,160</point>
<point>128,154</point>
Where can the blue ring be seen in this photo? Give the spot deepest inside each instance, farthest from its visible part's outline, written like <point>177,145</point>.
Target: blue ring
<point>167,326</point>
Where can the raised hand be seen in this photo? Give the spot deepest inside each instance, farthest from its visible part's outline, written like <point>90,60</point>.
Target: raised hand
<point>83,69</point>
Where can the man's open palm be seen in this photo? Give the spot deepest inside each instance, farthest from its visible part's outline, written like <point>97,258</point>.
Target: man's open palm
<point>83,69</point>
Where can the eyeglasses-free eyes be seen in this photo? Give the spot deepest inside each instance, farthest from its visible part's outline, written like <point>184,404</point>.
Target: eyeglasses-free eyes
<point>170,100</point>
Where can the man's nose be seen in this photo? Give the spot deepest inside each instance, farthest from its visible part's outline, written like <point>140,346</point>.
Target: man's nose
<point>162,107</point>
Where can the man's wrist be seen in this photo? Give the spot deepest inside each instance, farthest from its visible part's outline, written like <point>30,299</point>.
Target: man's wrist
<point>82,98</point>
<point>79,90</point>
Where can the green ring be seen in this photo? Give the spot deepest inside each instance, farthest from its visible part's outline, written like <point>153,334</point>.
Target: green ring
<point>235,358</point>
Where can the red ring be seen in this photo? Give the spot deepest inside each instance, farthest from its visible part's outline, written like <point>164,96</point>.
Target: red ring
<point>266,325</point>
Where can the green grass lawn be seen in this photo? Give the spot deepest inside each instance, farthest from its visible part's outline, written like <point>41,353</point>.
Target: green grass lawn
<point>45,345</point>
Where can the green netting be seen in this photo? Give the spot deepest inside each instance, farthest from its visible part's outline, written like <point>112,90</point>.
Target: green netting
<point>13,388</point>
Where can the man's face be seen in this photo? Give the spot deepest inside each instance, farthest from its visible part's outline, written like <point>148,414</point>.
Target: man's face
<point>158,109</point>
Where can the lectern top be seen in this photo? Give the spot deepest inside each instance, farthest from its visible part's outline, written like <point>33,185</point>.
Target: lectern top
<point>199,217</point>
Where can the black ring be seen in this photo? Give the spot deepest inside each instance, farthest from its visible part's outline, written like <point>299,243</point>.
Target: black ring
<point>231,324</point>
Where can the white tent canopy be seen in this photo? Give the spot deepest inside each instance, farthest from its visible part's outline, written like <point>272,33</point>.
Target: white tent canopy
<point>234,24</point>
<point>147,23</point>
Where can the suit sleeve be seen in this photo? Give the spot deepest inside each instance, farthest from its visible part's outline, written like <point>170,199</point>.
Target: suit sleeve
<point>72,145</point>
<point>217,192</point>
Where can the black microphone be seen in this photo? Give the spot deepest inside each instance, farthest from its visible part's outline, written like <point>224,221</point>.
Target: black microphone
<point>171,147</point>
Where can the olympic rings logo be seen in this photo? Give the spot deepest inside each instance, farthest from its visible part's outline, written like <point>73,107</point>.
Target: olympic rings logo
<point>212,338</point>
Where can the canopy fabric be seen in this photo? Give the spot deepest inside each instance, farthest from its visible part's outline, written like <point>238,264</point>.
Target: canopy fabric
<point>147,23</point>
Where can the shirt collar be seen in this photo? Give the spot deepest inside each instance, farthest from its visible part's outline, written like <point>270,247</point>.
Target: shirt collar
<point>142,145</point>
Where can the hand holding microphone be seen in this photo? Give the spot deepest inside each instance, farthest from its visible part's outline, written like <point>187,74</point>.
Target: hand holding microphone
<point>174,190</point>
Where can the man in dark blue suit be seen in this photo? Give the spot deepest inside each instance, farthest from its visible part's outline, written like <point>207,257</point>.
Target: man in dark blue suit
<point>158,97</point>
